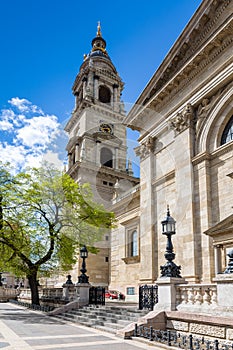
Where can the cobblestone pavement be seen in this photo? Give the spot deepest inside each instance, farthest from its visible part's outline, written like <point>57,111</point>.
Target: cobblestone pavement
<point>21,329</point>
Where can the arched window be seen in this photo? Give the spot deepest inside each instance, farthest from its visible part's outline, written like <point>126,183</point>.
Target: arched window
<point>104,94</point>
<point>228,132</point>
<point>106,157</point>
<point>134,243</point>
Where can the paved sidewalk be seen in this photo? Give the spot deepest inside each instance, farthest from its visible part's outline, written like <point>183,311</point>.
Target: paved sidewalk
<point>21,329</point>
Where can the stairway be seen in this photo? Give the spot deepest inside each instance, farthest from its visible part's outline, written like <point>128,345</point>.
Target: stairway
<point>108,318</point>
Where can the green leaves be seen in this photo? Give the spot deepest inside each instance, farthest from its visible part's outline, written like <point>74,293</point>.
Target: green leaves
<point>44,215</point>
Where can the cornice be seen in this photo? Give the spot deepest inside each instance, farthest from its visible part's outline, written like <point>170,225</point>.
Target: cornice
<point>182,71</point>
<point>102,109</point>
<point>192,40</point>
<point>108,74</point>
<point>224,226</point>
<point>201,158</point>
<point>86,67</point>
<point>73,141</point>
<point>93,168</point>
<point>206,156</point>
<point>227,147</point>
<point>161,121</point>
<point>108,111</point>
<point>200,62</point>
<point>132,215</point>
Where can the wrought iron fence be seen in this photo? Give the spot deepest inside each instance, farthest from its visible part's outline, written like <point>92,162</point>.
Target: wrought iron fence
<point>97,295</point>
<point>44,308</point>
<point>181,340</point>
<point>148,296</point>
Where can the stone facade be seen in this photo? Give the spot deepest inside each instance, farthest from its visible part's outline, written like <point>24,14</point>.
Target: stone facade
<point>185,159</point>
<point>182,115</point>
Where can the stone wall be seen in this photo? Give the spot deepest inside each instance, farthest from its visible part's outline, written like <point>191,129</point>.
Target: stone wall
<point>216,327</point>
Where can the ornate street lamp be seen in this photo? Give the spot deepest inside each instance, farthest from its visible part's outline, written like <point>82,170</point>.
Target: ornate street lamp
<point>83,278</point>
<point>170,269</point>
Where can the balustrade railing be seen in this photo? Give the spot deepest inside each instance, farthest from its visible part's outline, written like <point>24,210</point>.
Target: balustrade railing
<point>52,293</point>
<point>197,295</point>
<point>8,293</point>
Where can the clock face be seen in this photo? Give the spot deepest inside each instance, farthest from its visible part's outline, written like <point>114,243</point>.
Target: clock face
<point>106,128</point>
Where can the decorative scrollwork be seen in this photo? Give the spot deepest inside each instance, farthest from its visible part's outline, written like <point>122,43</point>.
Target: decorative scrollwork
<point>183,119</point>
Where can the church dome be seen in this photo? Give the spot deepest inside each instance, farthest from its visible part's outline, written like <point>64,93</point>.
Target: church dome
<point>98,46</point>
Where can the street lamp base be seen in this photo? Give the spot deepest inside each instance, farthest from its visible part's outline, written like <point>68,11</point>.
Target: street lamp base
<point>83,279</point>
<point>170,269</point>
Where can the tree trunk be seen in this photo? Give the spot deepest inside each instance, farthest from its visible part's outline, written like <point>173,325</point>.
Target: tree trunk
<point>32,279</point>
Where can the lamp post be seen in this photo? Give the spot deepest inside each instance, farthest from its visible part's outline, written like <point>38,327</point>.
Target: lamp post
<point>170,269</point>
<point>83,278</point>
<point>0,279</point>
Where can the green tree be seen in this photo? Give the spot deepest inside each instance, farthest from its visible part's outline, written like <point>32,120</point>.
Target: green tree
<point>44,217</point>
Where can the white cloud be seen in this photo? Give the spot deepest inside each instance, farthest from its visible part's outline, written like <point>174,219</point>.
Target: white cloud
<point>5,125</point>
<point>15,155</point>
<point>9,119</point>
<point>21,103</point>
<point>24,105</point>
<point>28,136</point>
<point>40,131</point>
<point>6,120</point>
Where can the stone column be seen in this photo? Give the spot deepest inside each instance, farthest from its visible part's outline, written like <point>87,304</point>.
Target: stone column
<point>218,259</point>
<point>116,158</point>
<point>98,152</point>
<point>96,87</point>
<point>184,184</point>
<point>84,86</point>
<point>115,92</point>
<point>83,151</point>
<point>69,160</point>
<point>148,263</point>
<point>76,152</point>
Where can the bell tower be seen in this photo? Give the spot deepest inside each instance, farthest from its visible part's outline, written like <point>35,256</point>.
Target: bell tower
<point>97,149</point>
<point>97,146</point>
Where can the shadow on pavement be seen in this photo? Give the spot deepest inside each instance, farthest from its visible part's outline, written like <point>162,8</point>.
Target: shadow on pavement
<point>27,317</point>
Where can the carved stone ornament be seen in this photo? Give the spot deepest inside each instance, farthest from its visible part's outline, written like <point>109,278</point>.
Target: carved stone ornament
<point>144,150</point>
<point>204,108</point>
<point>150,143</point>
<point>183,119</point>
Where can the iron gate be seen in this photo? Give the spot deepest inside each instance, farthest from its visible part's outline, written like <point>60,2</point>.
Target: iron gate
<point>148,297</point>
<point>97,295</point>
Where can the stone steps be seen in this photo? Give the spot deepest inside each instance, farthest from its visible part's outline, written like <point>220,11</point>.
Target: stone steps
<point>106,318</point>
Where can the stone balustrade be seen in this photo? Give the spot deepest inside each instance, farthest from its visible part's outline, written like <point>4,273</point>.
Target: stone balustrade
<point>52,293</point>
<point>196,295</point>
<point>8,293</point>
<point>24,294</point>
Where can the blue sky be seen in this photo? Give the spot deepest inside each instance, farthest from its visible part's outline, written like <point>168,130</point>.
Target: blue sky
<point>42,47</point>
